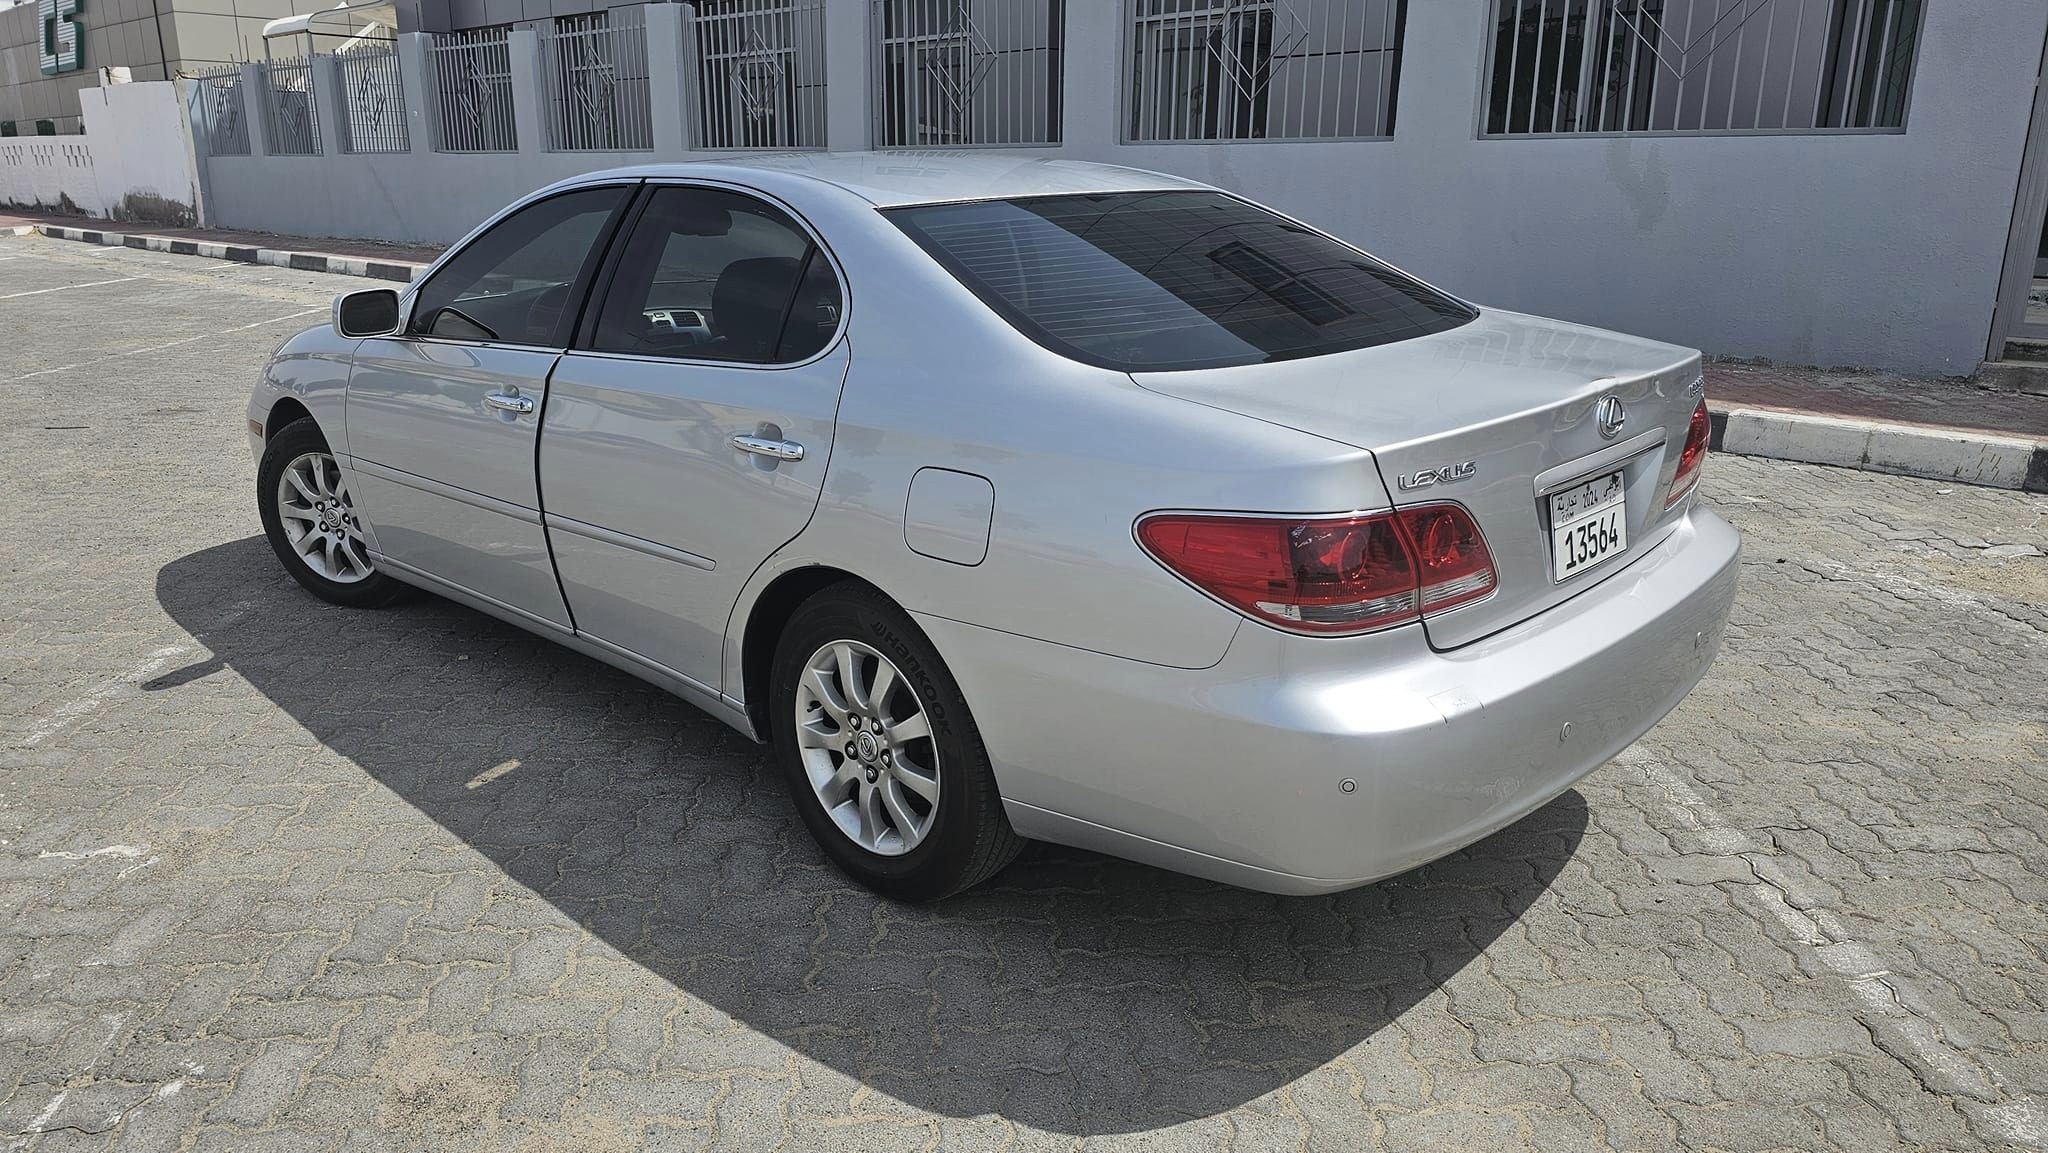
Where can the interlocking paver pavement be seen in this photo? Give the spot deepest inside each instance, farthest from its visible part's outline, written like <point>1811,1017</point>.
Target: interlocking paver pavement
<point>277,875</point>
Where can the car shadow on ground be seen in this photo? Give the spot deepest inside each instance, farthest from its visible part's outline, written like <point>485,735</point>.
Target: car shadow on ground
<point>1075,993</point>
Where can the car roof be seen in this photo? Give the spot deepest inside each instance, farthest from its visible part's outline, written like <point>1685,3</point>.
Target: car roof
<point>894,179</point>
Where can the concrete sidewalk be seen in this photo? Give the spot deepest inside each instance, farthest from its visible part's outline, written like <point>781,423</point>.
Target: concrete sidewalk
<point>372,258</point>
<point>1939,429</point>
<point>1959,431</point>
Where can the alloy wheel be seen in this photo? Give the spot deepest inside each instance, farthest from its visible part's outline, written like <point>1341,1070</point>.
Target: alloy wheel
<point>867,747</point>
<point>319,518</point>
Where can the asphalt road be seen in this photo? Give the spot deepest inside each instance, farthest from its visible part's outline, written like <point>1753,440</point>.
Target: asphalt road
<point>277,875</point>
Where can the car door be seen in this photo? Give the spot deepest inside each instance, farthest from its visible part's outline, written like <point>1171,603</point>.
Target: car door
<point>687,433</point>
<point>443,419</point>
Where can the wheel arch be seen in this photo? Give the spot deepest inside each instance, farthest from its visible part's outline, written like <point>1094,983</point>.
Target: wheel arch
<point>284,411</point>
<point>767,616</point>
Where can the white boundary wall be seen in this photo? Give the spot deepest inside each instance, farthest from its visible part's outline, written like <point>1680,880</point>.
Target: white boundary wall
<point>134,162</point>
<point>1879,250</point>
<point>50,173</point>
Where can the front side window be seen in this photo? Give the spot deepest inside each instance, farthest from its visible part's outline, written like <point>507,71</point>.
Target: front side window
<point>713,275</point>
<point>1156,281</point>
<point>515,283</point>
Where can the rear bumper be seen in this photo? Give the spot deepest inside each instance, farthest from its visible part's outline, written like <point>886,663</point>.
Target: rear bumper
<point>1239,772</point>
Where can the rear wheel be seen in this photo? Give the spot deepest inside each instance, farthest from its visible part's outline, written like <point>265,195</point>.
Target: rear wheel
<point>880,751</point>
<point>310,518</point>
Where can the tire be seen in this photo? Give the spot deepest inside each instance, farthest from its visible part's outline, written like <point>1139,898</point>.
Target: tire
<point>326,511</point>
<point>962,837</point>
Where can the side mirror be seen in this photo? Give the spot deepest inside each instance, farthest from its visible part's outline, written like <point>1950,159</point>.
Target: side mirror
<point>370,312</point>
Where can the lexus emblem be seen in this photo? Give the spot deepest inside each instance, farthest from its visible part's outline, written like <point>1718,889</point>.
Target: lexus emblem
<point>1611,415</point>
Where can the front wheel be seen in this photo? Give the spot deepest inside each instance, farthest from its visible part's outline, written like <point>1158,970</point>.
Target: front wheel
<point>880,751</point>
<point>310,518</point>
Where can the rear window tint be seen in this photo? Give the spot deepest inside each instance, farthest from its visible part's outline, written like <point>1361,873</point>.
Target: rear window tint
<point>1157,281</point>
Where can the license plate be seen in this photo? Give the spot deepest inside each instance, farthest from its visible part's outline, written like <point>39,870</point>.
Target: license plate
<point>1588,524</point>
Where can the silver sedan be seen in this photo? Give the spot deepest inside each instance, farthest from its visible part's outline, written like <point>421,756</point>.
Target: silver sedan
<point>1014,499</point>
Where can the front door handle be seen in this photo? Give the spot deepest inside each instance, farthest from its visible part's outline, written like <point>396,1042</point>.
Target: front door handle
<point>768,447</point>
<point>509,402</point>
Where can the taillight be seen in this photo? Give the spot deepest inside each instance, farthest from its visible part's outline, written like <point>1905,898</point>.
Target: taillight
<point>1692,456</point>
<point>1345,575</point>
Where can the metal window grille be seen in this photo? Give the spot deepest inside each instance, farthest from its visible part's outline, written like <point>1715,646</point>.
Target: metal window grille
<point>1701,66</point>
<point>372,99</point>
<point>1264,69</point>
<point>966,72</point>
<point>222,110</point>
<point>290,117</point>
<point>594,76</point>
<point>760,73</point>
<point>473,91</point>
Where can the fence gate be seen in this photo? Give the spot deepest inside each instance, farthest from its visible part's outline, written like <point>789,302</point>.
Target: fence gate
<point>760,73</point>
<point>372,99</point>
<point>221,110</point>
<point>968,72</point>
<point>1264,69</point>
<point>289,111</point>
<point>472,94</point>
<point>594,71</point>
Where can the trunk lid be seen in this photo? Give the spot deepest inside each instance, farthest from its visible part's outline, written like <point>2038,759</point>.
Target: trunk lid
<point>1494,415</point>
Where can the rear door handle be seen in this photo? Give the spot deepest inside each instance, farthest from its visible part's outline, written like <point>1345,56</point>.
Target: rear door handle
<point>768,447</point>
<point>509,402</point>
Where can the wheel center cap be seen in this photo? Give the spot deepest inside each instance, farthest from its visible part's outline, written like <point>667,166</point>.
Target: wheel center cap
<point>866,745</point>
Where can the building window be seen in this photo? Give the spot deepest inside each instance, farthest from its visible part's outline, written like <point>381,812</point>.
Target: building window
<point>1264,69</point>
<point>1703,66</point>
<point>962,72</point>
<point>760,73</point>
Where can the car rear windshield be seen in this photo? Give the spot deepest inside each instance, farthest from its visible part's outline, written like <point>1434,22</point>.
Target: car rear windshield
<point>1158,281</point>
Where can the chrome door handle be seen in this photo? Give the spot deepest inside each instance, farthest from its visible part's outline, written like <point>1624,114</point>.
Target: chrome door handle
<point>509,402</point>
<point>769,447</point>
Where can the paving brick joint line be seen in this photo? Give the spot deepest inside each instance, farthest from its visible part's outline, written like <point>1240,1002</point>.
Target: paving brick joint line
<point>274,875</point>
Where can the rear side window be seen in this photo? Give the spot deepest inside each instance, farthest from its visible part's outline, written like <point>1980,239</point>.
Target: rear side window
<point>1158,281</point>
<point>709,274</point>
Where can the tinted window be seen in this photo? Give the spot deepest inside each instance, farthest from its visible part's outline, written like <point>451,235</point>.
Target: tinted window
<point>516,282</point>
<point>1149,281</point>
<point>713,275</point>
<point>813,313</point>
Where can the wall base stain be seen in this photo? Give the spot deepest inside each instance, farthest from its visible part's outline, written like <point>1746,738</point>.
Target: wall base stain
<point>149,208</point>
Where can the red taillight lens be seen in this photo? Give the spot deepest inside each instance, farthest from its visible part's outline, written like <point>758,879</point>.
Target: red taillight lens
<point>1348,575</point>
<point>1691,457</point>
<point>1451,561</point>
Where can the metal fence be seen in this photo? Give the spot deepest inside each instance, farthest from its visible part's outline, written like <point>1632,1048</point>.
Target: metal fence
<point>760,73</point>
<point>1701,66</point>
<point>1264,69</point>
<point>964,72</point>
<point>291,119</point>
<point>372,99</point>
<point>594,80</point>
<point>222,111</point>
<point>472,86</point>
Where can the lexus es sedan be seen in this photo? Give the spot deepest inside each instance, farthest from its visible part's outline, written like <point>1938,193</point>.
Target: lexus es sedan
<point>1012,499</point>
